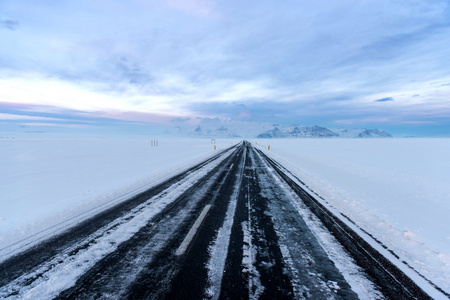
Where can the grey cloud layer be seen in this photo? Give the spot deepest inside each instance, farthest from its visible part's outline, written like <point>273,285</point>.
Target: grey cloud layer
<point>199,51</point>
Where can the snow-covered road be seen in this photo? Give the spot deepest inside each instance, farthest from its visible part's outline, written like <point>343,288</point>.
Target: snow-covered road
<point>237,225</point>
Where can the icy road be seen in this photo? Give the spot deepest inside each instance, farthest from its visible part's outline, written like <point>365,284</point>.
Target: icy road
<point>236,226</point>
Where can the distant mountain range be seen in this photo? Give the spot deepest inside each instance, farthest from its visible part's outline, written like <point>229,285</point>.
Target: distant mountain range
<point>317,131</point>
<point>214,128</point>
<point>297,132</point>
<point>205,127</point>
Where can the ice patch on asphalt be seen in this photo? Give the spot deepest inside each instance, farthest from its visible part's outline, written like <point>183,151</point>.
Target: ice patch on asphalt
<point>219,249</point>
<point>255,287</point>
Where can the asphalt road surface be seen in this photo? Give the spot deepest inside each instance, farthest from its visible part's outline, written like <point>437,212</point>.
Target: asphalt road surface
<point>233,227</point>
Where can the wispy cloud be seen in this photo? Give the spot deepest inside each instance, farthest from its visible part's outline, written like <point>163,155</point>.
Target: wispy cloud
<point>6,116</point>
<point>9,24</point>
<point>56,125</point>
<point>385,99</point>
<point>419,122</point>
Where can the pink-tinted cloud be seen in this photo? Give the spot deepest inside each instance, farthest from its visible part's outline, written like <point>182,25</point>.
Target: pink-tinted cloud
<point>133,116</point>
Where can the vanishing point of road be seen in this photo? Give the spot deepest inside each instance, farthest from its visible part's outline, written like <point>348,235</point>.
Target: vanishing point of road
<point>236,226</point>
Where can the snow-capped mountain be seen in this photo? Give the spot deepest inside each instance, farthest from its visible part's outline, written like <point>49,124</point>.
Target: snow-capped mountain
<point>230,129</point>
<point>219,128</point>
<point>297,132</point>
<point>362,133</point>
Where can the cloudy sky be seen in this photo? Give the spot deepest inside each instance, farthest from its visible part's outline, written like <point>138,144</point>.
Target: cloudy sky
<point>370,63</point>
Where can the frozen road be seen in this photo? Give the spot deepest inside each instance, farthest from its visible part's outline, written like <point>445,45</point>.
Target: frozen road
<point>233,227</point>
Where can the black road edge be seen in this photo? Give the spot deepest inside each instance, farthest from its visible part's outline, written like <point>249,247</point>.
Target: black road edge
<point>393,282</point>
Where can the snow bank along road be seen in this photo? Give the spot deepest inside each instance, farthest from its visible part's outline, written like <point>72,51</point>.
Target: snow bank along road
<point>235,226</point>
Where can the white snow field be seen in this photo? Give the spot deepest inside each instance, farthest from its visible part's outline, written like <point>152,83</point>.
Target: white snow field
<point>48,185</point>
<point>395,189</point>
<point>398,190</point>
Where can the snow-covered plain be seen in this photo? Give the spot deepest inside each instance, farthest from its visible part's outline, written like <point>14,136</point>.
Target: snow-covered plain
<point>396,189</point>
<point>46,185</point>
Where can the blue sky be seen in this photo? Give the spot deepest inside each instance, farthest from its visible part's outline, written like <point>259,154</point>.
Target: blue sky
<point>373,63</point>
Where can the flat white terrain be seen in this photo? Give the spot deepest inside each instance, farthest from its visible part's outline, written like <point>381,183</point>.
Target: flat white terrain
<point>51,184</point>
<point>396,189</point>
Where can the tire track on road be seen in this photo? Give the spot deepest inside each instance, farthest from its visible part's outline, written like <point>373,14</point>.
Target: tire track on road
<point>57,272</point>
